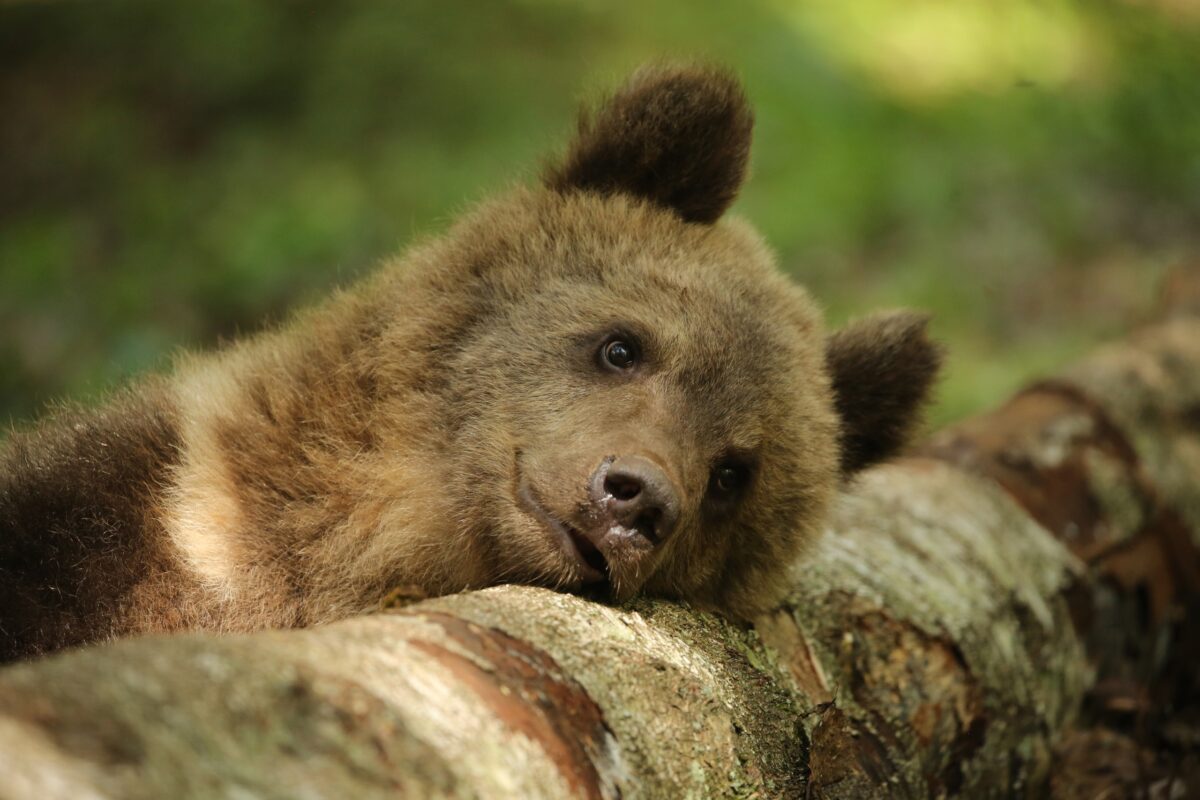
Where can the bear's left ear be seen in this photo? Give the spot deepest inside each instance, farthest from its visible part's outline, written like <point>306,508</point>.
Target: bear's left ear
<point>882,369</point>
<point>678,136</point>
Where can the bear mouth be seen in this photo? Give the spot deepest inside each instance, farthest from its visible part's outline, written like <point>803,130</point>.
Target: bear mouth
<point>589,552</point>
<point>590,563</point>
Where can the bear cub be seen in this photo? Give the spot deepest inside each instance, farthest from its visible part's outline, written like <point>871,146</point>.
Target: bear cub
<point>593,384</point>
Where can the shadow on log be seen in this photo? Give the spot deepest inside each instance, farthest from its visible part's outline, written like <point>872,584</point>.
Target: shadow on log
<point>973,619</point>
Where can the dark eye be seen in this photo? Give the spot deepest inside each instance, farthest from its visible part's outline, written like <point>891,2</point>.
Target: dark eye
<point>728,478</point>
<point>618,354</point>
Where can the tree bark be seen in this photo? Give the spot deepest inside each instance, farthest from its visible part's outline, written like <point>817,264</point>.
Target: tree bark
<point>967,606</point>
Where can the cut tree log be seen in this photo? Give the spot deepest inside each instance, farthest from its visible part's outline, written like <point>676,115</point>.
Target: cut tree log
<point>967,608</point>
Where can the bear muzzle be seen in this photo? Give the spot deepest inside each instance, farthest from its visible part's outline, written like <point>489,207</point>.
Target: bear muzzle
<point>630,509</point>
<point>634,508</point>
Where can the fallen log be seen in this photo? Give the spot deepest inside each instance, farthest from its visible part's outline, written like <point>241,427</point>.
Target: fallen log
<point>964,612</point>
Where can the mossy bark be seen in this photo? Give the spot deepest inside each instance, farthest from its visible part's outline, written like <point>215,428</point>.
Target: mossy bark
<point>939,641</point>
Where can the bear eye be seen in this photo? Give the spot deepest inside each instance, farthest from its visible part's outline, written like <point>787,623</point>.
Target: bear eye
<point>728,478</point>
<point>618,354</point>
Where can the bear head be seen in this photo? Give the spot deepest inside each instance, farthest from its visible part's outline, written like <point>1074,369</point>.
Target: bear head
<point>636,399</point>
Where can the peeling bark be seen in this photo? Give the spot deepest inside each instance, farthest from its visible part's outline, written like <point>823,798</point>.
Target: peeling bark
<point>938,614</point>
<point>967,608</point>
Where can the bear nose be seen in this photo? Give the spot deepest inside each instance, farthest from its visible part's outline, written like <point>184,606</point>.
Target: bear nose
<point>638,495</point>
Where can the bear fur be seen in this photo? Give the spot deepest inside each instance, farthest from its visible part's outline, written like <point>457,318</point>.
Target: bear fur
<point>592,384</point>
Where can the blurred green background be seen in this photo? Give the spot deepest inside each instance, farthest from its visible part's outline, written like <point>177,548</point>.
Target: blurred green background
<point>172,174</point>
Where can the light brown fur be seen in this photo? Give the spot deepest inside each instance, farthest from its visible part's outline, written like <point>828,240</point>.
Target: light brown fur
<point>395,435</point>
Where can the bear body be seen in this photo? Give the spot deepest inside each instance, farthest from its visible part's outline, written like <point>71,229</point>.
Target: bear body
<point>593,384</point>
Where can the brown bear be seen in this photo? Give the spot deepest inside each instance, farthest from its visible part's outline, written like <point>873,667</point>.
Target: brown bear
<point>591,384</point>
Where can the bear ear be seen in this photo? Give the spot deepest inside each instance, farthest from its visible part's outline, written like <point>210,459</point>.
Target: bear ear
<point>882,369</point>
<point>678,136</point>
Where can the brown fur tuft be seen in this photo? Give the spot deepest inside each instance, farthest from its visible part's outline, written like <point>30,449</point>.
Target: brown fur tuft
<point>76,536</point>
<point>677,136</point>
<point>882,368</point>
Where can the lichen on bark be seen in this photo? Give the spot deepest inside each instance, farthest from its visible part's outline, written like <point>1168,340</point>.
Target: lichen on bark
<point>693,714</point>
<point>1150,384</point>
<point>933,608</point>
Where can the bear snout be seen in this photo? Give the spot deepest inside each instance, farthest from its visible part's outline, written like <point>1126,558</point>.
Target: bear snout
<point>634,493</point>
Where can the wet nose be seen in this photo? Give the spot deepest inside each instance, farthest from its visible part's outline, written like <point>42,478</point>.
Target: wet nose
<point>638,495</point>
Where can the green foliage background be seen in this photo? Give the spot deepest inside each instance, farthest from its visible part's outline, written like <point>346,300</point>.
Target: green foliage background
<point>176,173</point>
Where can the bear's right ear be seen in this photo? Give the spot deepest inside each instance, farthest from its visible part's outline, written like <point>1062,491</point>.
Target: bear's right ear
<point>882,369</point>
<point>677,136</point>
